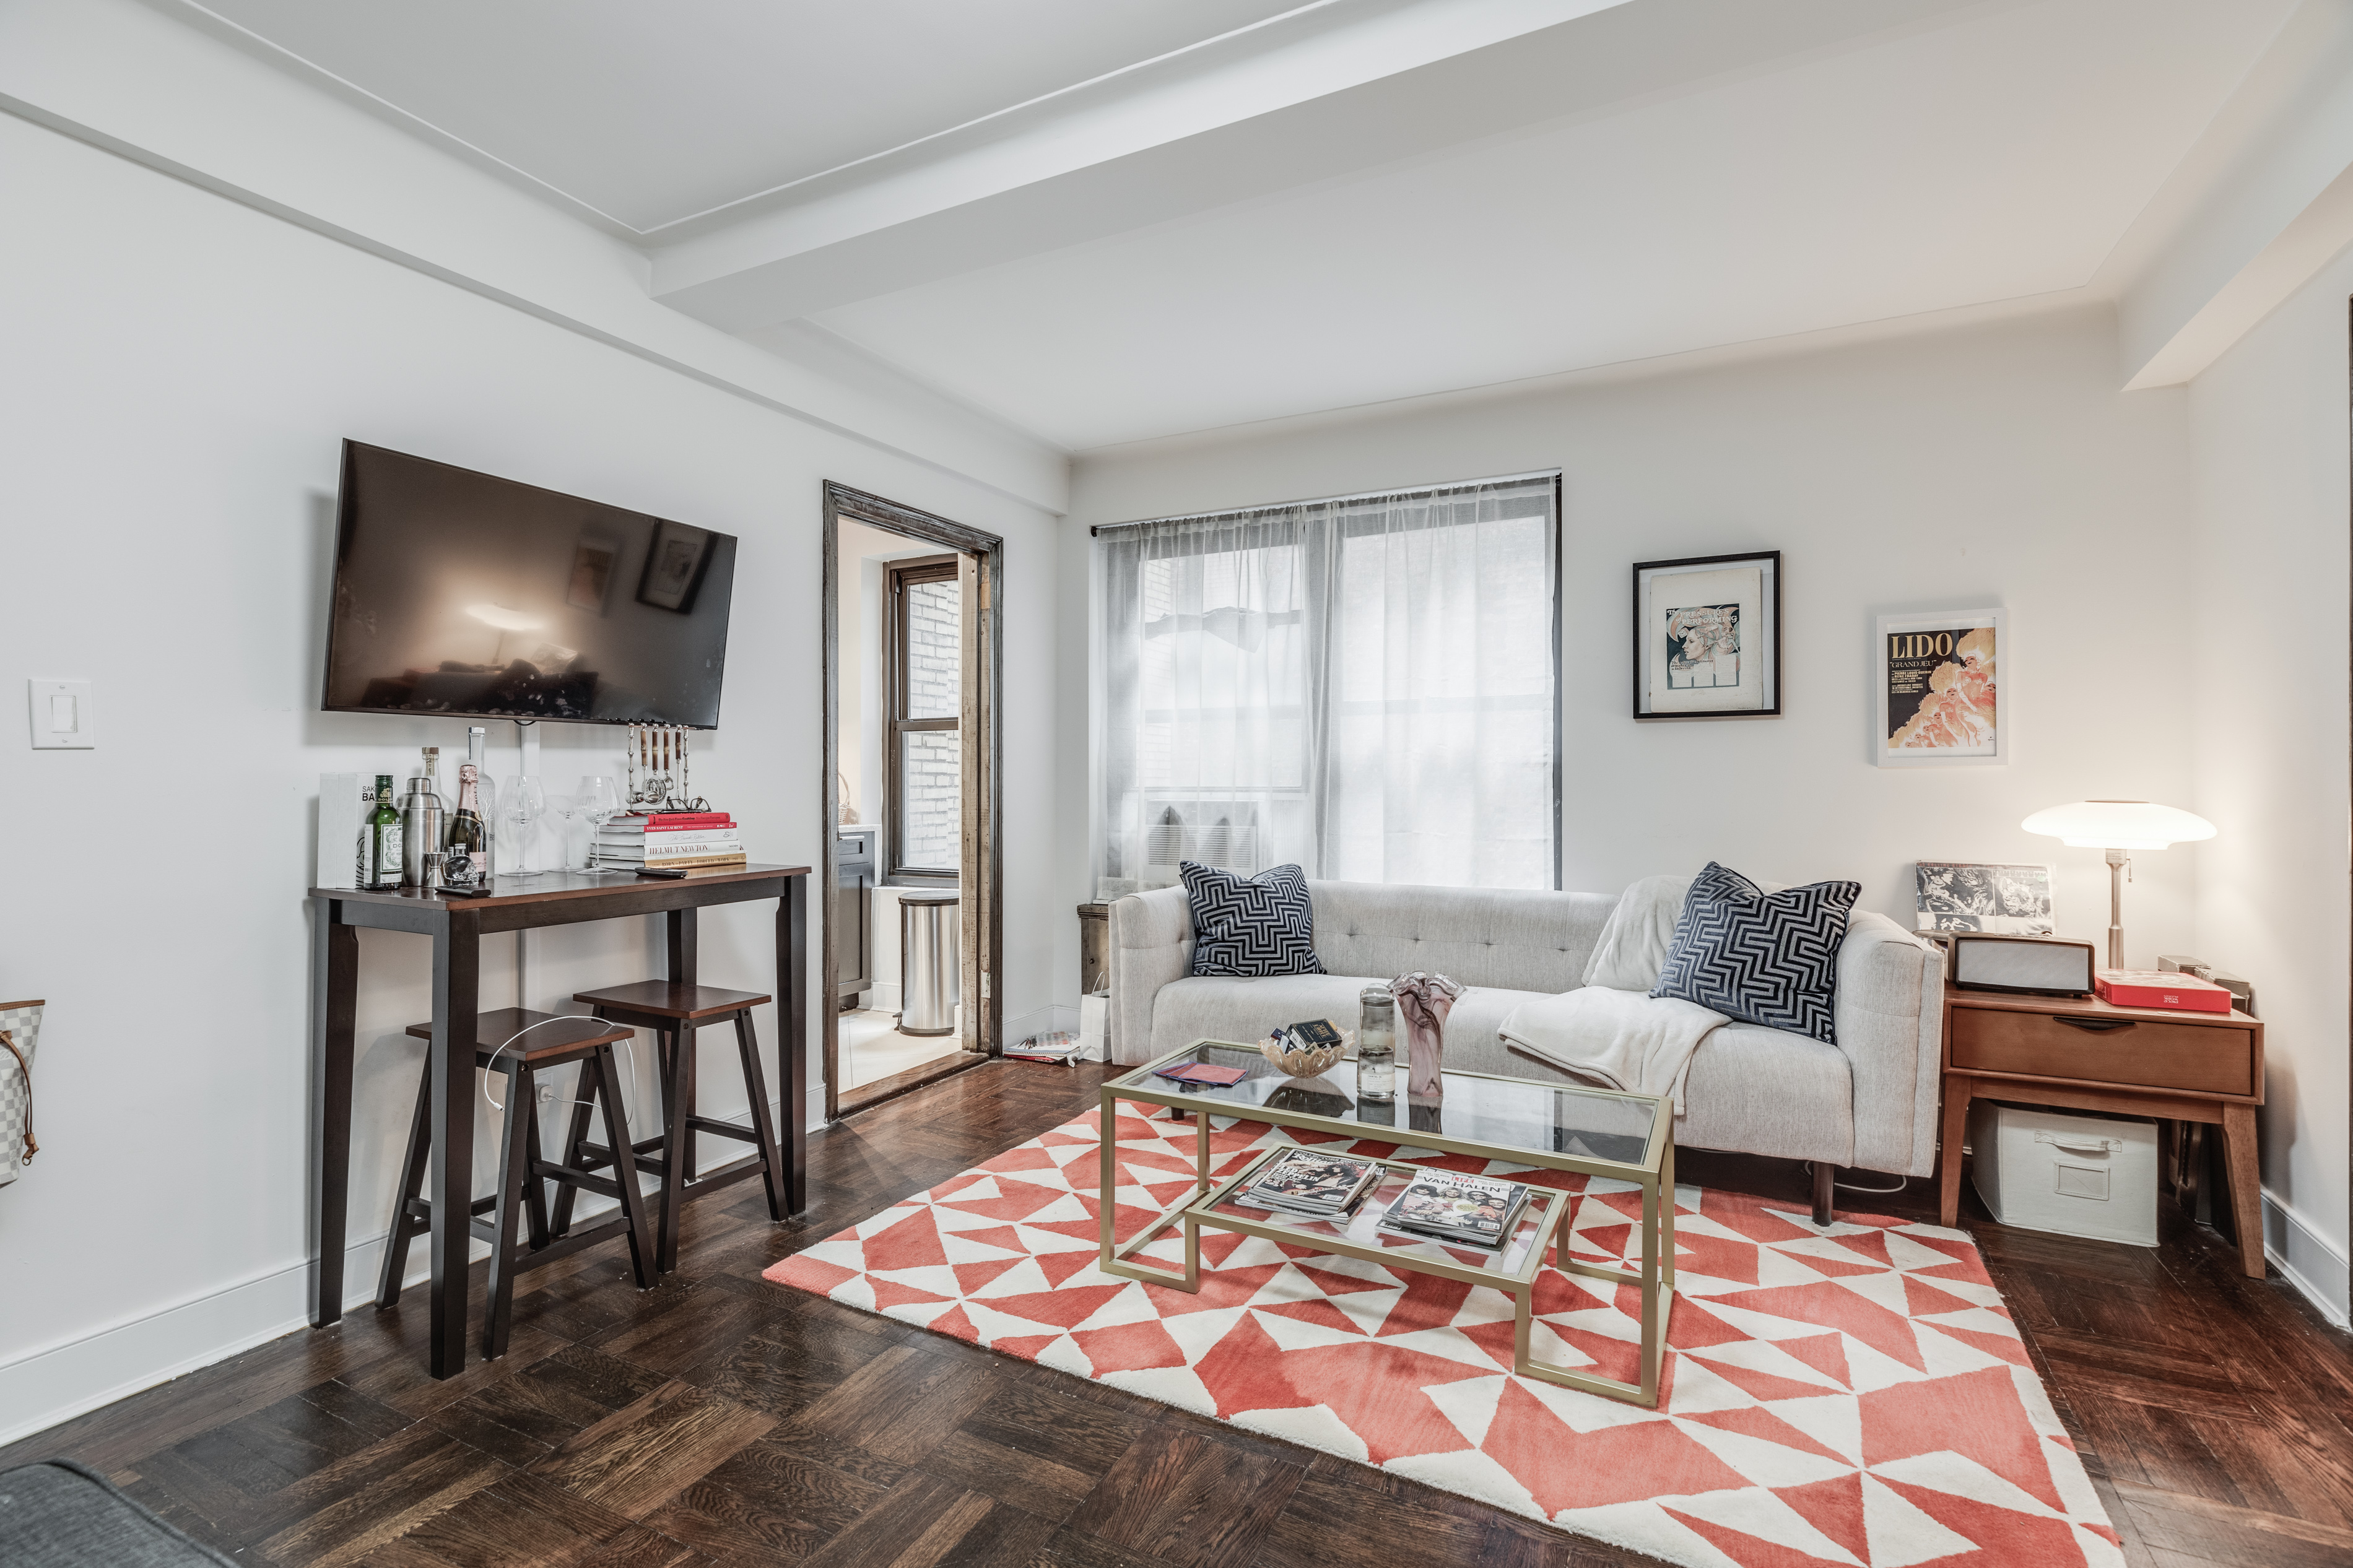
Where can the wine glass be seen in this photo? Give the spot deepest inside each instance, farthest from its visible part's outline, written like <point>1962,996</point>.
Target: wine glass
<point>519,807</point>
<point>563,808</point>
<point>600,802</point>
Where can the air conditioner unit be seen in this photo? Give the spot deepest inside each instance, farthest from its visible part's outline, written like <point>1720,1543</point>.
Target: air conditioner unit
<point>1220,833</point>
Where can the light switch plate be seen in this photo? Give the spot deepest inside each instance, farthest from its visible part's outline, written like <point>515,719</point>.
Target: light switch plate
<point>61,715</point>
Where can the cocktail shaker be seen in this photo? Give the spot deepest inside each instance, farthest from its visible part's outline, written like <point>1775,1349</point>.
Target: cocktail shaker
<point>420,830</point>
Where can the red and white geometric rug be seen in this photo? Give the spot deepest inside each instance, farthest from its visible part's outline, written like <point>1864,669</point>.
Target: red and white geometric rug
<point>1855,1395</point>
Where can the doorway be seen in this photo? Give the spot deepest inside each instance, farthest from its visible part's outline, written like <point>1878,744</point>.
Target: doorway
<point>912,928</point>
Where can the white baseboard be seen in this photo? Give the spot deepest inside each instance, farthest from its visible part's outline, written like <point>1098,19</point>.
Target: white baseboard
<point>73,1377</point>
<point>2307,1260</point>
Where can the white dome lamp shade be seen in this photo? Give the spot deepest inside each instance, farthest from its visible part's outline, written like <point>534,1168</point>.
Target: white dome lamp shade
<point>2118,827</point>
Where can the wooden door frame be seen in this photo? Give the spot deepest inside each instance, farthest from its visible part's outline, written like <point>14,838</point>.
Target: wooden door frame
<point>983,866</point>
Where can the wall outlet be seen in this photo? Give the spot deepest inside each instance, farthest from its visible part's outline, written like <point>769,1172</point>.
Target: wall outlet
<point>62,720</point>
<point>547,1094</point>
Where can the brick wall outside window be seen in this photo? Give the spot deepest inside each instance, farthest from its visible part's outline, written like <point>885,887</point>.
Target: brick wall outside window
<point>930,771</point>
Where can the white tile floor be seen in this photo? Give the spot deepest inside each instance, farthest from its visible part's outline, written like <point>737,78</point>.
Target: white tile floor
<point>872,1047</point>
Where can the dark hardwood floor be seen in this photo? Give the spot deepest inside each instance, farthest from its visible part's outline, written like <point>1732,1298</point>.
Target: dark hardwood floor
<point>722,1420</point>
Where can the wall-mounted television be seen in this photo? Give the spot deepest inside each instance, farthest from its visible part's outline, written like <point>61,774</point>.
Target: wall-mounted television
<point>462,594</point>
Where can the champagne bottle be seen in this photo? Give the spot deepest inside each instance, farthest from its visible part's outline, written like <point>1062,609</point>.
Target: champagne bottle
<point>384,839</point>
<point>486,796</point>
<point>468,834</point>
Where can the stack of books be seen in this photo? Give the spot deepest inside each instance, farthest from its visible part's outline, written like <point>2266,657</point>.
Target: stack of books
<point>1458,1210</point>
<point>2161,988</point>
<point>1305,1182</point>
<point>670,840</point>
<point>1059,1046</point>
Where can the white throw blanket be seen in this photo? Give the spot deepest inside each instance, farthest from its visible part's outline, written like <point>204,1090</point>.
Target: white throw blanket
<point>1633,945</point>
<point>1616,1040</point>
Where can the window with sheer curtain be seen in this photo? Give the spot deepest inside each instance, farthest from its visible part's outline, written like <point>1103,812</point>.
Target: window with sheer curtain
<point>1365,685</point>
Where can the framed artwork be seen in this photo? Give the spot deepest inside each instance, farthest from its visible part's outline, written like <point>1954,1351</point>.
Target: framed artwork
<point>1939,690</point>
<point>1707,636</point>
<point>1961,895</point>
<point>674,567</point>
<point>592,573</point>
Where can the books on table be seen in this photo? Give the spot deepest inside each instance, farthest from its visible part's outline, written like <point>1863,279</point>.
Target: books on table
<point>1200,1073</point>
<point>1308,1183</point>
<point>1055,1046</point>
<point>2161,988</point>
<point>1456,1209</point>
<point>675,841</point>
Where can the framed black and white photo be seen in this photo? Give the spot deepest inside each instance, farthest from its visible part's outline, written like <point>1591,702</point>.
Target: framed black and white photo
<point>592,572</point>
<point>1964,894</point>
<point>1707,636</point>
<point>674,566</point>
<point>1938,690</point>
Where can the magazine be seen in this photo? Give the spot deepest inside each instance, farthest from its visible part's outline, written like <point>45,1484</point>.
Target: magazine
<point>1307,1182</point>
<point>2007,900</point>
<point>1200,1074</point>
<point>1457,1209</point>
<point>1059,1046</point>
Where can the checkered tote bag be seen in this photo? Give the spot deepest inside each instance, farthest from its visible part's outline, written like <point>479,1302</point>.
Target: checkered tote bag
<point>20,1030</point>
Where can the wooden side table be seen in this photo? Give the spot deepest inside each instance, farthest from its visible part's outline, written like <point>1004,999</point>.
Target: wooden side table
<point>2088,1056</point>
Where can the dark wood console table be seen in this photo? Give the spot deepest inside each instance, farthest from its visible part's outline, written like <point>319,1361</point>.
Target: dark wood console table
<point>456,927</point>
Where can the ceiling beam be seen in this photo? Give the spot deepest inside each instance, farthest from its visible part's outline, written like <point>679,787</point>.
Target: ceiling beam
<point>2262,204</point>
<point>1335,92</point>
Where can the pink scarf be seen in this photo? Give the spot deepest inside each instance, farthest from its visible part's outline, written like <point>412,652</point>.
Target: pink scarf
<point>1423,1001</point>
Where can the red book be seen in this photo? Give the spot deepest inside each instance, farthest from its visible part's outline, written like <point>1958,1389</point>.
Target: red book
<point>2161,988</point>
<point>675,821</point>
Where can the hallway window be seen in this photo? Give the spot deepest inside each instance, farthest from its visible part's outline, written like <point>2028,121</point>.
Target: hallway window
<point>922,756</point>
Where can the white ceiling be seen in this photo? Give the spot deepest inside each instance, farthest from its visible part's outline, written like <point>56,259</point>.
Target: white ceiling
<point>654,113</point>
<point>1997,158</point>
<point>1273,209</point>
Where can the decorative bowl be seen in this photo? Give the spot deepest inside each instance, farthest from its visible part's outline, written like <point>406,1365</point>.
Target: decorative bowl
<point>1306,1061</point>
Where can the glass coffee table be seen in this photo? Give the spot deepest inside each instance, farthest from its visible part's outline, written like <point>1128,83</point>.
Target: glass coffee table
<point>1550,1126</point>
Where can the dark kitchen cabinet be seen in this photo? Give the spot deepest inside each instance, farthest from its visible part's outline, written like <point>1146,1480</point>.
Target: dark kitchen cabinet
<point>853,913</point>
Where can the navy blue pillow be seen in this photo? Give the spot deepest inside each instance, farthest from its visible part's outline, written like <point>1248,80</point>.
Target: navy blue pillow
<point>1255,926</point>
<point>1763,958</point>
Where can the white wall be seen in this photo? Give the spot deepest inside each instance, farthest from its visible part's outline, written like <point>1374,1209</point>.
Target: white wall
<point>2269,445</point>
<point>180,370</point>
<point>857,598</point>
<point>126,76</point>
<point>864,553</point>
<point>1993,464</point>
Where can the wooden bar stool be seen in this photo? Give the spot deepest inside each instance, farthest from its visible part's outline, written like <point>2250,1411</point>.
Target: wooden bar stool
<point>674,1012</point>
<point>552,1042</point>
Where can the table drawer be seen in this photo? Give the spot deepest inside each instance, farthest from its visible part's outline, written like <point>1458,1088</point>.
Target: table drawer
<point>2205,1058</point>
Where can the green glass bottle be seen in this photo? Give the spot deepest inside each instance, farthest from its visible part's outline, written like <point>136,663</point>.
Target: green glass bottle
<point>384,839</point>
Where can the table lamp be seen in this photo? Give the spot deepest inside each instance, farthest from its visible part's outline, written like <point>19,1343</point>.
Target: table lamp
<point>2118,827</point>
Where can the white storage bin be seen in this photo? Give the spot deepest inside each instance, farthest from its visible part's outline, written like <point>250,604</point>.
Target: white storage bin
<point>2078,1175</point>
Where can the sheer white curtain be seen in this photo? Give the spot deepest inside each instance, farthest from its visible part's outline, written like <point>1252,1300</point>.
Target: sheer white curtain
<point>1363,686</point>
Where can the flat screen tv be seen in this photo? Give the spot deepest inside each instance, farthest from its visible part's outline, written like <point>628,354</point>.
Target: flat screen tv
<point>462,594</point>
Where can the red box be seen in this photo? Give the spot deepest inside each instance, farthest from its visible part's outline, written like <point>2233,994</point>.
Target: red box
<point>2161,988</point>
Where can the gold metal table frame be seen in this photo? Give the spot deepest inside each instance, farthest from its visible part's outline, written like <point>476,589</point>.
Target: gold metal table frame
<point>1655,1278</point>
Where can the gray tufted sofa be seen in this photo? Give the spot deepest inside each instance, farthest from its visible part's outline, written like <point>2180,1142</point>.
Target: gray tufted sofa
<point>1868,1101</point>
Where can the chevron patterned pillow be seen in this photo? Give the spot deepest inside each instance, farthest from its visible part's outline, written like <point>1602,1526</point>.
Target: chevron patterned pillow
<point>1257,926</point>
<point>1763,958</point>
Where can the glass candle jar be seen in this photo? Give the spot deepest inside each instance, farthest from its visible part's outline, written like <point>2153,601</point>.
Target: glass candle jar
<point>1376,1045</point>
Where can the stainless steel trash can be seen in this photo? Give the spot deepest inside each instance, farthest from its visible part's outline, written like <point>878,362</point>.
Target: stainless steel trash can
<point>929,962</point>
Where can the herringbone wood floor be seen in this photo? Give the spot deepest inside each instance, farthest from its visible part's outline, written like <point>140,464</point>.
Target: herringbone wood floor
<point>722,1420</point>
